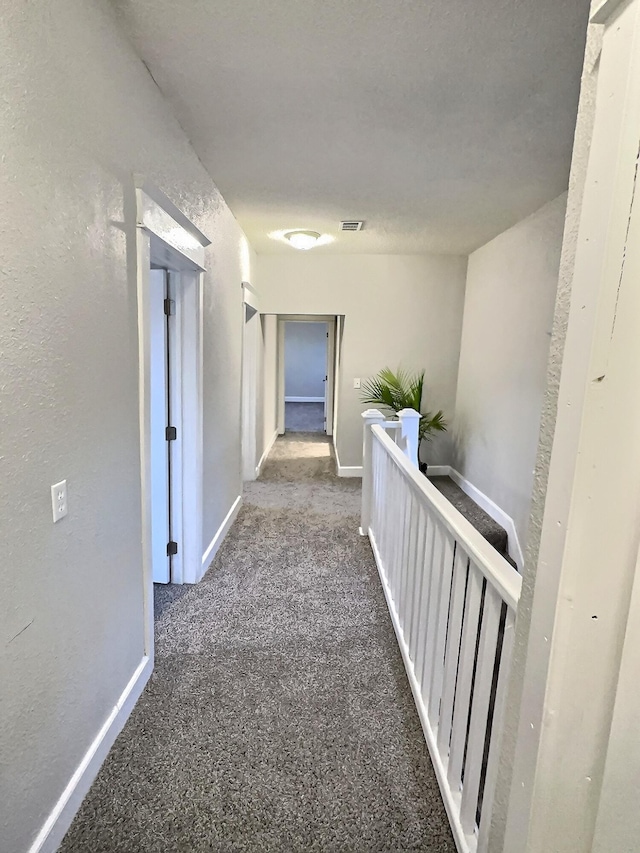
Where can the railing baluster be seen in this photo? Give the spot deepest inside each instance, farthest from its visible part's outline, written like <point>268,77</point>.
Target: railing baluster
<point>421,539</point>
<point>410,571</point>
<point>496,731</point>
<point>480,708</point>
<point>402,546</point>
<point>449,594</point>
<point>431,615</point>
<point>465,674</point>
<point>387,515</point>
<point>406,561</point>
<point>396,497</point>
<point>435,689</point>
<point>452,657</point>
<point>423,606</point>
<point>375,487</point>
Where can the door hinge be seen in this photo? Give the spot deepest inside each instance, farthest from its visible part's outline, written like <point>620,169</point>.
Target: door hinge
<point>171,433</point>
<point>169,307</point>
<point>172,549</point>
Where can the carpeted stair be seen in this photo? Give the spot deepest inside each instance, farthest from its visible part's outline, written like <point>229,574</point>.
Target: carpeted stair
<point>482,521</point>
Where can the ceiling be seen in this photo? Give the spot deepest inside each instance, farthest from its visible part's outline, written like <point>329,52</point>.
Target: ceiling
<point>438,122</point>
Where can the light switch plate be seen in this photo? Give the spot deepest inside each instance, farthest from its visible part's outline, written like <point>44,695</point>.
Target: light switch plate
<point>59,500</point>
<point>356,383</point>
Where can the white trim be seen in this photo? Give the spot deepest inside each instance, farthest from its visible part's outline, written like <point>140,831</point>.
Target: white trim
<point>330,386</point>
<point>349,470</point>
<point>250,365</point>
<point>50,836</point>
<point>164,202</point>
<point>452,808</point>
<point>346,470</point>
<point>191,296</point>
<point>267,451</point>
<point>438,470</point>
<point>218,539</point>
<point>250,296</point>
<point>485,503</point>
<point>170,241</point>
<point>153,217</point>
<point>280,378</point>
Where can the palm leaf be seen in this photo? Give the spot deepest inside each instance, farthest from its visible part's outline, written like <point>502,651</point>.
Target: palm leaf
<point>394,391</point>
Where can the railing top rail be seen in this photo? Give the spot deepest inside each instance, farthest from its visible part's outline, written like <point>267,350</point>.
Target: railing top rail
<point>498,572</point>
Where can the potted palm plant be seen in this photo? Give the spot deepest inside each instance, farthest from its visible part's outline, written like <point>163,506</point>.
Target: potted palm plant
<point>393,392</point>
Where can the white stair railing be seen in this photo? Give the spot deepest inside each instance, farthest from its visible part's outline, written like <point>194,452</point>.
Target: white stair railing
<point>453,601</point>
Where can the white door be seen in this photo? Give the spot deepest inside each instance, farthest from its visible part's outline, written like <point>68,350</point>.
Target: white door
<point>329,378</point>
<point>159,455</point>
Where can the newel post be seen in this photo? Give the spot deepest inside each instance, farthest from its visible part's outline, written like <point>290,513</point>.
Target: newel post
<point>409,430</point>
<point>369,418</point>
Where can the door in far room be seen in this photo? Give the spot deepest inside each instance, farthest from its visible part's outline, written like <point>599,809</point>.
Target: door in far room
<point>305,376</point>
<point>160,329</point>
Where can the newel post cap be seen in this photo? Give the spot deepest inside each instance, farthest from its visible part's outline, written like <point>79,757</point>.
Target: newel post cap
<point>372,415</point>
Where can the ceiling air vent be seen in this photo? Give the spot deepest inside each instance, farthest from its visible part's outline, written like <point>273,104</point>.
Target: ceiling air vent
<point>352,225</point>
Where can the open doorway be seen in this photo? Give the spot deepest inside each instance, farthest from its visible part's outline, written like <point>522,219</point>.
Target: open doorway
<point>170,265</point>
<point>306,387</point>
<point>175,417</point>
<point>305,376</point>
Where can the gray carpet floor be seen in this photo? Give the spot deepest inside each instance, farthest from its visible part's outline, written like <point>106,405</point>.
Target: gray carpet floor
<point>304,417</point>
<point>279,717</point>
<point>493,532</point>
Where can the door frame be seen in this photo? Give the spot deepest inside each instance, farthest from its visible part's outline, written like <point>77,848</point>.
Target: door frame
<point>250,370</point>
<point>166,238</point>
<point>330,386</point>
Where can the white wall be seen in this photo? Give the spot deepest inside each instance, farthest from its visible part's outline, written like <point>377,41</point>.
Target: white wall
<point>398,309</point>
<point>508,313</point>
<point>79,116</point>
<point>576,762</point>
<point>521,731</point>
<point>305,359</point>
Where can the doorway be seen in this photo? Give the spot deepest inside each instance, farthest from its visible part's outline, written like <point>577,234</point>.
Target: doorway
<point>250,369</point>
<point>306,387</point>
<point>162,344</point>
<point>174,434</point>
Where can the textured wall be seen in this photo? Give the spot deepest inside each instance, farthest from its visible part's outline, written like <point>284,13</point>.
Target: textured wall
<point>399,309</point>
<point>582,146</point>
<point>508,313</point>
<point>79,115</point>
<point>305,359</point>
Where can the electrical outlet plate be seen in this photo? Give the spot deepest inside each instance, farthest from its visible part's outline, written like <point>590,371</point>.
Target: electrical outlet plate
<point>356,383</point>
<point>59,500</point>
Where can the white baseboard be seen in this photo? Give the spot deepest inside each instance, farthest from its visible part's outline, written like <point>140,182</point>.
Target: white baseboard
<point>438,470</point>
<point>304,399</point>
<point>346,470</point>
<point>349,470</point>
<point>218,539</point>
<point>267,451</point>
<point>50,836</point>
<point>485,503</point>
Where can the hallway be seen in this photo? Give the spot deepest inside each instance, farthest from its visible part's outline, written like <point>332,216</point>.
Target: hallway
<point>279,717</point>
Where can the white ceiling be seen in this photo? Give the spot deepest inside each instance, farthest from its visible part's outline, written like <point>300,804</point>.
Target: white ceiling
<point>438,122</point>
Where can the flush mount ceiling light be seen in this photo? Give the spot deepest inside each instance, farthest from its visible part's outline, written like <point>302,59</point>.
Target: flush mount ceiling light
<point>302,239</point>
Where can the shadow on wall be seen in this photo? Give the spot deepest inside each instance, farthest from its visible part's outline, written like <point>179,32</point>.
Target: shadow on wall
<point>459,441</point>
